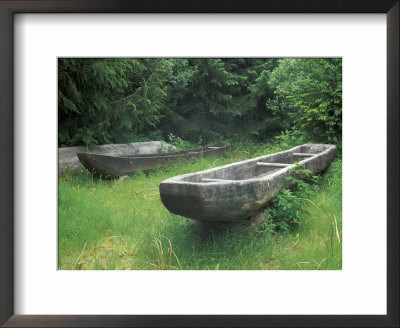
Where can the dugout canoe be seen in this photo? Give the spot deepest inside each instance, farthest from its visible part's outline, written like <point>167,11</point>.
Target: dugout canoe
<point>240,190</point>
<point>116,166</point>
<point>67,158</point>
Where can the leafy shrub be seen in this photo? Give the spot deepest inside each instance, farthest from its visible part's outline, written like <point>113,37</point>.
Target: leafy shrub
<point>301,179</point>
<point>178,142</point>
<point>310,92</point>
<point>290,138</point>
<point>287,210</point>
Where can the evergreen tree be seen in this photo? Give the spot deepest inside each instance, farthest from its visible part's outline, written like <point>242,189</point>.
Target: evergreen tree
<point>109,100</point>
<point>112,100</point>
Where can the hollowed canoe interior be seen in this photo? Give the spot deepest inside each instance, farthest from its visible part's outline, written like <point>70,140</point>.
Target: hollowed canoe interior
<point>250,170</point>
<point>182,152</point>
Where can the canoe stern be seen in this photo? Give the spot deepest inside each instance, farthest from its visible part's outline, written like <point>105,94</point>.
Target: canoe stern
<point>219,201</point>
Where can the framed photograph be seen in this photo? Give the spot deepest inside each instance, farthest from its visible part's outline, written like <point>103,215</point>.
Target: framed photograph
<point>215,101</point>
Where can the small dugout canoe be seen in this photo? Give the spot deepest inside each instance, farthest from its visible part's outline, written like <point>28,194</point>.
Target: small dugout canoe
<point>116,166</point>
<point>240,190</point>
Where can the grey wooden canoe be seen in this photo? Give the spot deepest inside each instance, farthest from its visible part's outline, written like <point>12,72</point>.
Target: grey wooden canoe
<point>116,166</point>
<point>67,158</point>
<point>239,190</point>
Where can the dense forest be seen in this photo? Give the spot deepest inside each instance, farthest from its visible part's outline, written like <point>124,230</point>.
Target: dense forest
<point>117,100</point>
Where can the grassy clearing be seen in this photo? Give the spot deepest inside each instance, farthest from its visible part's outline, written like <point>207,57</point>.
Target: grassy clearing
<point>106,224</point>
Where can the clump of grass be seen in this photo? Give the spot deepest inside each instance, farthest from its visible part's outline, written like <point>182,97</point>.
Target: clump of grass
<point>165,255</point>
<point>105,224</point>
<point>315,241</point>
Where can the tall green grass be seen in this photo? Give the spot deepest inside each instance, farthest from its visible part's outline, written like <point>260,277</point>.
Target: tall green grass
<point>111,225</point>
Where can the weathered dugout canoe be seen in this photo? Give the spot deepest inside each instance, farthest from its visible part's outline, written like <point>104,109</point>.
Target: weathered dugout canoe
<point>116,166</point>
<point>67,158</point>
<point>240,190</point>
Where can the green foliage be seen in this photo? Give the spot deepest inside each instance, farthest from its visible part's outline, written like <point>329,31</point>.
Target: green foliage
<point>215,98</point>
<point>201,100</point>
<point>290,138</point>
<point>301,178</point>
<point>178,142</point>
<point>286,210</point>
<point>109,100</point>
<point>310,92</point>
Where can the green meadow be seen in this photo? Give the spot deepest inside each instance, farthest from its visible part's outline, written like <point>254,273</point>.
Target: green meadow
<point>112,225</point>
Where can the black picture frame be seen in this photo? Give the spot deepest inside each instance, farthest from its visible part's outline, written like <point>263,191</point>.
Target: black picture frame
<point>10,7</point>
